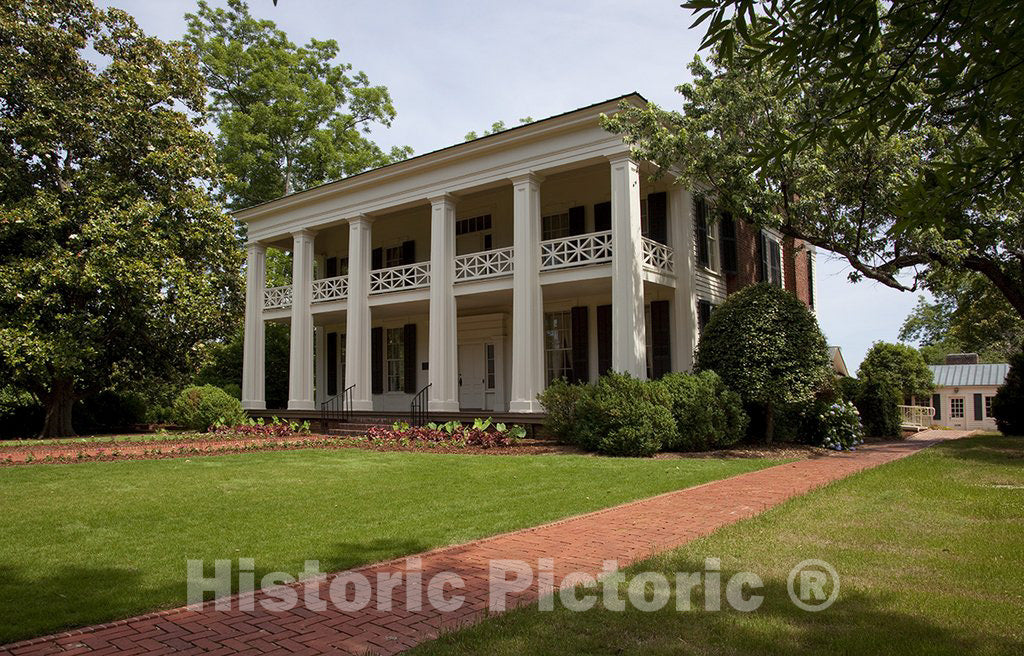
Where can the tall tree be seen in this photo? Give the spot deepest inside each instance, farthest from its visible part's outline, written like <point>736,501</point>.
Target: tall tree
<point>288,118</point>
<point>966,315</point>
<point>114,261</point>
<point>732,141</point>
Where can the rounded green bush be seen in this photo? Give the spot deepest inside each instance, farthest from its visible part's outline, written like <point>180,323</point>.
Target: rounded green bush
<point>707,414</point>
<point>624,416</point>
<point>199,408</point>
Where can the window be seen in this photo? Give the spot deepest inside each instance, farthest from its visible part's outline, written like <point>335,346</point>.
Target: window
<point>332,364</point>
<point>648,341</point>
<point>770,266</point>
<point>988,407</point>
<point>393,256</point>
<point>956,407</point>
<point>727,228</point>
<point>555,226</point>
<point>395,359</point>
<point>557,345</point>
<point>703,254</point>
<point>474,224</point>
<point>491,369</point>
<point>645,219</point>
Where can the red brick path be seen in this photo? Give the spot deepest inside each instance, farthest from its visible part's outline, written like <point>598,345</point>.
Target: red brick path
<point>625,533</point>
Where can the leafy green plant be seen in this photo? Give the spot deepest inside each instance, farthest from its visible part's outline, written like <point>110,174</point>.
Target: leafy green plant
<point>201,408</point>
<point>1008,403</point>
<point>708,415</point>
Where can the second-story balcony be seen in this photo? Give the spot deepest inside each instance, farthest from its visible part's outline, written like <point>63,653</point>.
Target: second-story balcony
<point>484,264</point>
<point>579,250</point>
<point>330,289</point>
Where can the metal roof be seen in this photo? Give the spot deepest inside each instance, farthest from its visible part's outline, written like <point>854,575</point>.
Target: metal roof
<point>968,375</point>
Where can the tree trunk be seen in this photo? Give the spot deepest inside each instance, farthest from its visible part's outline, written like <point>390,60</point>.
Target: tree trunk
<point>769,423</point>
<point>59,402</point>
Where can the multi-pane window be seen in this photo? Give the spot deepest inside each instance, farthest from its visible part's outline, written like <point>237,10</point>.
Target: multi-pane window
<point>474,224</point>
<point>771,259</point>
<point>706,241</point>
<point>555,226</point>
<point>704,309</point>
<point>988,407</point>
<point>557,345</point>
<point>395,359</point>
<point>956,407</point>
<point>392,256</point>
<point>491,367</point>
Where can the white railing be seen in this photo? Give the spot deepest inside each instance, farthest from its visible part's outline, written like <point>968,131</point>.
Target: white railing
<point>330,289</point>
<point>916,416</point>
<point>277,297</point>
<point>658,256</point>
<point>393,279</point>
<point>485,264</point>
<point>590,248</point>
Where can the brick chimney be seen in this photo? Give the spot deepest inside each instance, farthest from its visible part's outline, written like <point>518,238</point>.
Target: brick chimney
<point>962,358</point>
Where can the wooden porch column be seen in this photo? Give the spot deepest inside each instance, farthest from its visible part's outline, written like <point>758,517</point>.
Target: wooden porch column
<point>527,297</point>
<point>254,345</point>
<point>629,348</point>
<point>443,372</point>
<point>300,372</point>
<point>357,317</point>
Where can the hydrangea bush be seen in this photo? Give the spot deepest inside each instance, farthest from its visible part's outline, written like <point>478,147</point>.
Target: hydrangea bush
<point>840,426</point>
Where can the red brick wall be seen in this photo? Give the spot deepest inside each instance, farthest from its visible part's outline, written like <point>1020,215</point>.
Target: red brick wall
<point>794,263</point>
<point>795,253</point>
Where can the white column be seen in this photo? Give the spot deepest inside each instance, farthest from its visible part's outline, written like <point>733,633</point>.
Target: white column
<point>684,302</point>
<point>443,372</point>
<point>254,345</point>
<point>320,356</point>
<point>527,297</point>
<point>629,352</point>
<point>357,329</point>
<point>300,371</point>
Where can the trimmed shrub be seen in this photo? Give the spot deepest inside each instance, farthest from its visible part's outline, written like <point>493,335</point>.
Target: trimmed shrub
<point>626,416</point>
<point>707,414</point>
<point>767,346</point>
<point>561,403</point>
<point>840,427</point>
<point>199,408</point>
<point>1008,403</point>
<point>900,366</point>
<point>878,405</point>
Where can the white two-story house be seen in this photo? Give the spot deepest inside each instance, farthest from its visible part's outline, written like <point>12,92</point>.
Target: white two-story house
<point>476,274</point>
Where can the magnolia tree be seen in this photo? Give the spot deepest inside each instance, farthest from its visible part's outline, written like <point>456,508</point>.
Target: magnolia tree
<point>766,345</point>
<point>114,261</point>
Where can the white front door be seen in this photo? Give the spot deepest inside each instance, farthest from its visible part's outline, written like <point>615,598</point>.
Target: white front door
<point>471,376</point>
<point>957,412</point>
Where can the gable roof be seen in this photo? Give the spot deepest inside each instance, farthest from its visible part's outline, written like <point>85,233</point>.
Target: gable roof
<point>835,354</point>
<point>417,159</point>
<point>967,375</point>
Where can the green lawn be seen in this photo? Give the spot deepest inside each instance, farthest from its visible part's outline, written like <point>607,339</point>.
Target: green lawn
<point>86,543</point>
<point>929,550</point>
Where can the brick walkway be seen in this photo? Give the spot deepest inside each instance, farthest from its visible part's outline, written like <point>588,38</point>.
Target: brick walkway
<point>625,533</point>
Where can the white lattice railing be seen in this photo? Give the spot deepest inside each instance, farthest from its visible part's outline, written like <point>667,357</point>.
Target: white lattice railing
<point>394,279</point>
<point>590,248</point>
<point>330,289</point>
<point>916,416</point>
<point>658,256</point>
<point>277,297</point>
<point>485,264</point>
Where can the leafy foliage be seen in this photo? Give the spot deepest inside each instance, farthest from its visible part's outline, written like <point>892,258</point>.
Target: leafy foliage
<point>708,414</point>
<point>1008,403</point>
<point>496,127</point>
<point>840,426</point>
<point>223,364</point>
<point>877,402</point>
<point>890,66</point>
<point>200,408</point>
<point>450,434</point>
<point>114,261</point>
<point>288,117</point>
<point>900,366</point>
<point>766,346</point>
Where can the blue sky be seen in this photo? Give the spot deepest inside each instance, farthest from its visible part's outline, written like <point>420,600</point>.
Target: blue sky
<point>452,67</point>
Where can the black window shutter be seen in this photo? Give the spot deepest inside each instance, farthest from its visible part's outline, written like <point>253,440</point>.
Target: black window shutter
<point>577,220</point>
<point>410,358</point>
<point>703,257</point>
<point>332,364</point>
<point>604,339</point>
<point>330,267</point>
<point>377,259</point>
<point>703,313</point>
<point>377,360</point>
<point>580,344</point>
<point>657,216</point>
<point>408,252</point>
<point>661,339</point>
<point>603,216</point>
<point>979,407</point>
<point>937,404</point>
<point>728,232</point>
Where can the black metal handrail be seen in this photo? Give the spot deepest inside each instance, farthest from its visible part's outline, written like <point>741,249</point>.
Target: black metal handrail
<point>338,407</point>
<point>418,407</point>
